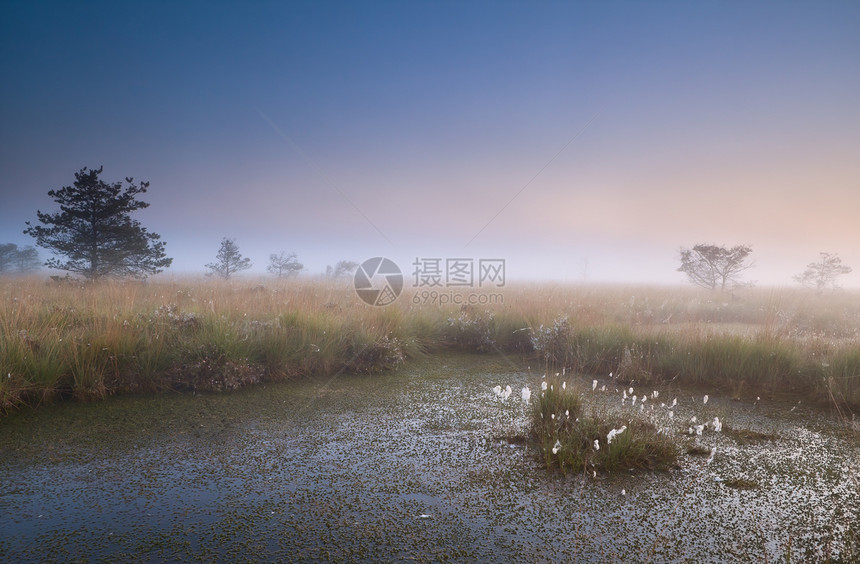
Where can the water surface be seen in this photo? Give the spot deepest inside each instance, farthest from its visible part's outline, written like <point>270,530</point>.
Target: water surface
<point>408,466</point>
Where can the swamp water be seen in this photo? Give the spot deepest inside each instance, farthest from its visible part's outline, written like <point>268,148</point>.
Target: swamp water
<point>410,466</point>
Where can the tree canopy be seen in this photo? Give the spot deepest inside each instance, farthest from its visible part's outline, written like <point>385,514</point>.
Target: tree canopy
<point>342,269</point>
<point>823,274</point>
<point>228,261</point>
<point>284,264</point>
<point>18,260</point>
<point>712,266</point>
<point>94,231</point>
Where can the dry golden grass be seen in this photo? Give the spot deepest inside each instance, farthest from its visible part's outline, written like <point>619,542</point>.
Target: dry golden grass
<point>90,340</point>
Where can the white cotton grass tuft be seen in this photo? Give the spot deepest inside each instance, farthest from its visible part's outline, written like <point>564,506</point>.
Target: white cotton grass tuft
<point>613,433</point>
<point>718,425</point>
<point>543,386</point>
<point>526,394</point>
<point>593,385</point>
<point>596,444</point>
<point>705,399</point>
<point>557,447</point>
<point>498,391</point>
<point>674,402</point>
<point>699,429</point>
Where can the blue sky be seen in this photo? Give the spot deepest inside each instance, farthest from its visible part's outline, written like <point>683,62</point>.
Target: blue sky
<point>344,130</point>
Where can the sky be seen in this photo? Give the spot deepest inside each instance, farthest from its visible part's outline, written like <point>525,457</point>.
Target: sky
<point>577,141</point>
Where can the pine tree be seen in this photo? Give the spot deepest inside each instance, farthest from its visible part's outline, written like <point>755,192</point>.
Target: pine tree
<point>94,231</point>
<point>229,260</point>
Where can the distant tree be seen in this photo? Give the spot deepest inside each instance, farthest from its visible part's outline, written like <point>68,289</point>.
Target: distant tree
<point>229,260</point>
<point>823,274</point>
<point>95,232</point>
<point>342,269</point>
<point>282,265</point>
<point>714,267</point>
<point>8,253</point>
<point>27,260</point>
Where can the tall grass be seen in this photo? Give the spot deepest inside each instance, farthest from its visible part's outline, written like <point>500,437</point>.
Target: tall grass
<point>90,340</point>
<point>599,441</point>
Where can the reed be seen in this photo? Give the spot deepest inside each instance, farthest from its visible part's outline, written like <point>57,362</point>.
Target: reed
<point>87,341</point>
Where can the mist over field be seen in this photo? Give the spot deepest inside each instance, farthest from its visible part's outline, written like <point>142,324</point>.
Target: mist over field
<point>485,281</point>
<point>579,142</point>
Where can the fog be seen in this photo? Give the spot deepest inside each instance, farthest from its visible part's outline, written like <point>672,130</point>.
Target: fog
<point>577,142</point>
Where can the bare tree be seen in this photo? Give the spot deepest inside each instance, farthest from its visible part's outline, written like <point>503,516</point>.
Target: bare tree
<point>823,274</point>
<point>342,269</point>
<point>711,266</point>
<point>283,265</point>
<point>229,260</point>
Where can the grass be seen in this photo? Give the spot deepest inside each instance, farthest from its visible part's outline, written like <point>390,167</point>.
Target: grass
<point>599,441</point>
<point>89,341</point>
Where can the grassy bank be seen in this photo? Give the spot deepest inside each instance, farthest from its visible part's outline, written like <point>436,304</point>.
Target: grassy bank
<point>88,341</point>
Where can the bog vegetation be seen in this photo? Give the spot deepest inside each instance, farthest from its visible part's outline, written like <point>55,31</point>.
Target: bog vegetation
<point>85,341</point>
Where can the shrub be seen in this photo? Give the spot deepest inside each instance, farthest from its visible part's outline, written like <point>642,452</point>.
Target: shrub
<point>472,331</point>
<point>552,342</point>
